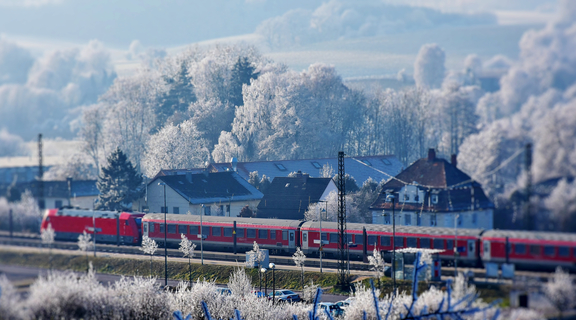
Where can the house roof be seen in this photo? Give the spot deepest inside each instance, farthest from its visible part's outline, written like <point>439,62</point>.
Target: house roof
<point>455,189</point>
<point>289,197</point>
<point>211,187</point>
<point>380,167</point>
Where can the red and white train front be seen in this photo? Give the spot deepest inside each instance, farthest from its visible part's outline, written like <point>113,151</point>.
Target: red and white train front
<point>110,226</point>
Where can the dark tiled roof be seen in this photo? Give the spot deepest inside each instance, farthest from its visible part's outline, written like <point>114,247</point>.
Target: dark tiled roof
<point>59,189</point>
<point>209,187</point>
<point>84,188</point>
<point>361,168</point>
<point>436,176</point>
<point>288,198</point>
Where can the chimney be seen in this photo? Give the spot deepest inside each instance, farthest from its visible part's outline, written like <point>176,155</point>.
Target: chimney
<point>431,154</point>
<point>299,174</point>
<point>189,176</point>
<point>453,160</point>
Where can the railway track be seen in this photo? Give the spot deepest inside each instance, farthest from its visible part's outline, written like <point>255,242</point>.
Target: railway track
<point>33,240</point>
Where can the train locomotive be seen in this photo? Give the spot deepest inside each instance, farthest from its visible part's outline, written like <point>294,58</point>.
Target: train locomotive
<point>528,250</point>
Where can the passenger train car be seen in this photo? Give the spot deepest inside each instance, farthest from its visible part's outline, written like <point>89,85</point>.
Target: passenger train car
<point>526,249</point>
<point>110,226</point>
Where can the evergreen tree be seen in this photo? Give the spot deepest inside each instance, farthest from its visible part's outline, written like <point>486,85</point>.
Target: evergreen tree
<point>174,105</point>
<point>118,183</point>
<point>242,72</point>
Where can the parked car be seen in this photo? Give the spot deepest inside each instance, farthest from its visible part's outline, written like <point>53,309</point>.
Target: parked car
<point>224,291</point>
<point>333,308</point>
<point>285,295</point>
<point>259,294</point>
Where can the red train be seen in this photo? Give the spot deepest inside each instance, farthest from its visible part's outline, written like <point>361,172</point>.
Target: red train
<point>111,226</point>
<point>525,249</point>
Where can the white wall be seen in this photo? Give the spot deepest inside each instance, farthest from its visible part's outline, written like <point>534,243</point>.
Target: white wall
<point>484,219</point>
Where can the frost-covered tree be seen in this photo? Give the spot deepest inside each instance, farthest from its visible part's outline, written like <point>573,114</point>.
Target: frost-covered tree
<point>429,66</point>
<point>255,256</point>
<point>76,167</point>
<point>175,147</point>
<point>91,133</point>
<point>562,205</point>
<point>149,246</point>
<point>299,260</point>
<point>119,183</point>
<point>377,264</point>
<point>561,292</point>
<point>309,291</point>
<point>240,284</point>
<point>242,73</point>
<point>187,249</point>
<point>48,235</point>
<point>84,245</point>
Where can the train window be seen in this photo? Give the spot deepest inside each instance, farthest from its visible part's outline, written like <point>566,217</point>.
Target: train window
<point>564,251</point>
<point>193,229</point>
<point>262,234</point>
<point>291,236</point>
<point>412,242</point>
<point>171,228</point>
<point>216,231</point>
<point>334,237</point>
<point>324,236</point>
<point>399,242</point>
<point>549,250</point>
<point>385,241</point>
<point>305,237</point>
<point>348,238</point>
<point>182,229</point>
<point>359,239</point>
<point>519,248</point>
<point>227,232</point>
<point>284,235</point>
<point>151,227</point>
<point>145,227</point>
<point>240,233</point>
<point>449,244</point>
<point>273,234</point>
<point>438,243</point>
<point>372,240</point>
<point>535,250</point>
<point>250,233</point>
<point>424,243</point>
<point>205,231</point>
<point>161,228</point>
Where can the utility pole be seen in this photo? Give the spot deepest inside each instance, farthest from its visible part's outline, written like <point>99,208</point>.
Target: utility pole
<point>343,237</point>
<point>390,198</point>
<point>529,218</point>
<point>41,203</point>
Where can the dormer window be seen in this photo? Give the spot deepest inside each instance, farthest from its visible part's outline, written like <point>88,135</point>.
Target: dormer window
<point>416,198</point>
<point>434,198</point>
<point>406,197</point>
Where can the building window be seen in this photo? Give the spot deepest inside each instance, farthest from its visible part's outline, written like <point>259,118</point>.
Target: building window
<point>280,167</point>
<point>58,204</point>
<point>316,165</point>
<point>386,162</point>
<point>474,219</point>
<point>176,210</point>
<point>182,229</point>
<point>386,218</point>
<point>433,220</point>
<point>228,232</point>
<point>216,231</point>
<point>406,197</point>
<point>221,210</point>
<point>459,220</point>
<point>262,234</point>
<point>163,209</point>
<point>407,219</point>
<point>207,210</point>
<point>228,209</point>
<point>418,220</point>
<point>434,198</point>
<point>416,198</point>
<point>366,162</point>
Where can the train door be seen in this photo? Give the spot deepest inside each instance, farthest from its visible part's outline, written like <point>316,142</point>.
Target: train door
<point>304,240</point>
<point>291,238</point>
<point>486,255</point>
<point>472,249</point>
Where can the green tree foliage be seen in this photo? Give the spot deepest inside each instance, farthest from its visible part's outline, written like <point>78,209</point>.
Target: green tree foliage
<point>349,183</point>
<point>174,104</point>
<point>118,183</point>
<point>242,72</point>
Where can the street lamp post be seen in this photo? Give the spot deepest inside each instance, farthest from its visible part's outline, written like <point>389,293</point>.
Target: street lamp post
<point>263,270</point>
<point>201,237</point>
<point>321,240</point>
<point>273,267</point>
<point>456,252</point>
<point>390,198</point>
<point>165,237</point>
